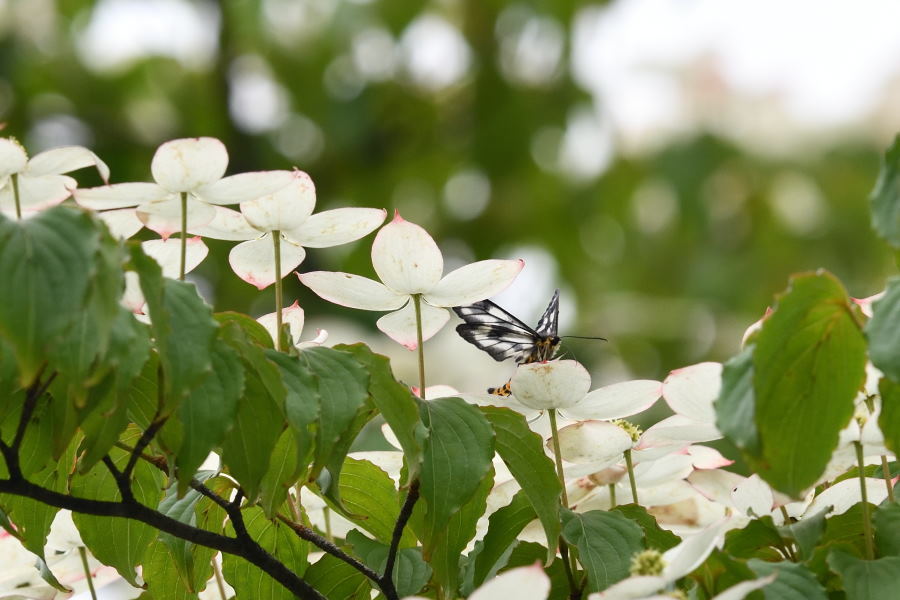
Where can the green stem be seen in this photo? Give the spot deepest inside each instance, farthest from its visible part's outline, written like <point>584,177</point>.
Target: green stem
<point>220,581</point>
<point>886,473</point>
<point>554,436</point>
<point>867,523</point>
<point>87,572</point>
<point>612,495</point>
<point>326,513</point>
<point>628,463</point>
<point>276,239</point>
<point>417,304</point>
<point>15,187</point>
<point>184,200</point>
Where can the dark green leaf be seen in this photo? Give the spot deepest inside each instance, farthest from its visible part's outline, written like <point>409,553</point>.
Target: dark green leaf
<point>883,331</point>
<point>410,574</point>
<point>182,552</point>
<point>654,535</point>
<point>807,531</point>
<point>847,529</point>
<point>528,553</point>
<point>885,198</point>
<point>736,406</point>
<point>808,364</point>
<point>866,579</point>
<point>503,528</point>
<point>889,419</point>
<point>606,541</point>
<point>758,539</point>
<point>793,582</point>
<point>301,403</point>
<point>887,528</point>
<point>255,332</point>
<point>284,469</point>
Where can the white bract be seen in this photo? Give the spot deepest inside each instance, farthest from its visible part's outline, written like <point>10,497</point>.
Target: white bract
<point>409,263</point>
<point>521,583</point>
<point>293,316</point>
<point>167,253</point>
<point>40,180</point>
<point>194,167</point>
<point>285,216</point>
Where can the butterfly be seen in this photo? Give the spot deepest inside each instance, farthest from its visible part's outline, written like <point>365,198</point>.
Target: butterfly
<point>494,330</point>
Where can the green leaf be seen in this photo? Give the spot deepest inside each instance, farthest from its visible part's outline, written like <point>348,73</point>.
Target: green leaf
<point>807,531</point>
<point>284,469</point>
<point>736,407</point>
<point>102,428</point>
<point>504,526</point>
<point>528,553</point>
<point>885,198</point>
<point>182,326</point>
<point>114,541</point>
<point>301,402</point>
<point>720,571</point>
<point>889,419</point>
<point>808,365</point>
<point>457,457</point>
<point>887,528</point>
<point>46,266</point>
<point>846,529</point>
<point>182,552</point>
<point>396,404</point>
<point>793,582</point>
<point>255,332</point>
<point>606,541</point>
<point>883,331</point>
<point>278,540</point>
<point>163,578</point>
<point>758,539</point>
<point>208,412</point>
<point>654,536</point>
<point>410,574</point>
<point>336,580</point>
<point>522,451</point>
<point>866,579</point>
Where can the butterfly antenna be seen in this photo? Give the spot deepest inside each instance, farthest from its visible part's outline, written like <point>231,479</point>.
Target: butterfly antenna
<point>584,337</point>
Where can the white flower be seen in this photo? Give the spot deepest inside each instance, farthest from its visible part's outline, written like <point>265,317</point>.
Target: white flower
<point>521,583</point>
<point>293,316</point>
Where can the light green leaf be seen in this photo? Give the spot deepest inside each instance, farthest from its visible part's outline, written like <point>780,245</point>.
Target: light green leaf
<point>410,574</point>
<point>503,528</point>
<point>654,536</point>
<point>757,539</point>
<point>866,579</point>
<point>284,469</point>
<point>808,365</point>
<point>336,580</point>
<point>736,406</point>
<point>605,541</point>
<point>301,402</point>
<point>889,419</point>
<point>182,552</point>
<point>254,332</point>
<point>885,198</point>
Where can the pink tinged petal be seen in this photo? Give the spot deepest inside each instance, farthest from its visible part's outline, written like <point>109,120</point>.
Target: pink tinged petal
<point>165,217</point>
<point>704,457</point>
<point>522,583</point>
<point>119,195</point>
<point>753,497</point>
<point>553,384</point>
<point>39,193</point>
<point>865,304</point>
<point>227,224</point>
<point>400,325</point>
<point>619,400</point>
<point>353,291</point>
<point>474,282</point>
<point>133,298</point>
<point>292,315</point>
<point>846,493</point>
<point>690,391</point>
<point>693,550</point>
<point>716,485</point>
<point>254,261</point>
<point>593,441</point>
<point>123,222</point>
<point>188,164</point>
<point>338,226</point>
<point>678,429</point>
<point>246,186</point>
<point>406,258</point>
<point>68,158</point>
<point>745,588</point>
<point>284,209</point>
<point>13,157</point>
<point>168,254</point>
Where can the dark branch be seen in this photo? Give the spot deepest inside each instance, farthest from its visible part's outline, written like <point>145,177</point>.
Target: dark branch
<point>122,482</point>
<point>387,579</point>
<point>305,533</point>
<point>142,443</point>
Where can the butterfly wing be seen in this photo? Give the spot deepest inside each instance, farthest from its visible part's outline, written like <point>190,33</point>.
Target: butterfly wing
<point>492,329</point>
<point>548,326</point>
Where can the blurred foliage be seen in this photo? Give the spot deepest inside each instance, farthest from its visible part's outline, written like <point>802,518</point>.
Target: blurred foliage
<point>656,292</point>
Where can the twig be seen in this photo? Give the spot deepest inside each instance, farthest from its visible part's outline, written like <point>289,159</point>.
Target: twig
<point>305,533</point>
<point>387,578</point>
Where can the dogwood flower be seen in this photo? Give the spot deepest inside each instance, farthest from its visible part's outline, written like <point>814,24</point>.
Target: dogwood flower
<point>39,181</point>
<point>284,217</point>
<point>167,254</point>
<point>294,316</point>
<point>523,583</point>
<point>409,263</point>
<point>191,169</point>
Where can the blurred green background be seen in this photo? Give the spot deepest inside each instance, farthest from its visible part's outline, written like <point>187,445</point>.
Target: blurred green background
<point>633,152</point>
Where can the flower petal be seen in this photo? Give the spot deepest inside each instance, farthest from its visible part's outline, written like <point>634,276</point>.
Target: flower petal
<point>474,282</point>
<point>705,457</point>
<point>133,298</point>
<point>164,217</point>
<point>227,224</point>
<point>245,186</point>
<point>406,258</point>
<point>338,226</point>
<point>168,254</point>
<point>619,400</point>
<point>400,325</point>
<point>13,157</point>
<point>37,193</point>
<point>638,587</point>
<point>593,441</point>
<point>67,158</point>
<point>693,550</point>
<point>292,315</point>
<point>522,583</point>
<point>553,384</point>
<point>119,195</point>
<point>284,209</point>
<point>678,429</point>
<point>753,497</point>
<point>188,164</point>
<point>743,589</point>
<point>690,391</point>
<point>844,494</point>
<point>353,291</point>
<point>123,222</point>
<point>254,260</point>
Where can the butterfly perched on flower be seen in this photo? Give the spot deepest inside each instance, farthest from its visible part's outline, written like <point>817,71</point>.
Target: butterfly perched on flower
<point>494,330</point>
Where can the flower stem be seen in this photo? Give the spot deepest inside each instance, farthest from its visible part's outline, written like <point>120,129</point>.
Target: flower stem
<point>15,187</point>
<point>417,304</point>
<point>612,495</point>
<point>630,465</point>
<point>887,477</point>
<point>554,436</point>
<point>867,523</point>
<point>87,572</point>
<point>184,200</point>
<point>276,239</point>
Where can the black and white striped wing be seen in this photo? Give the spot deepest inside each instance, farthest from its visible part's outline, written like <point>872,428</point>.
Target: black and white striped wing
<point>492,329</point>
<point>548,326</point>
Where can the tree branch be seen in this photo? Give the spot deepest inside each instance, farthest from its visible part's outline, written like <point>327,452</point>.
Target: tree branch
<point>387,579</point>
<point>305,533</point>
